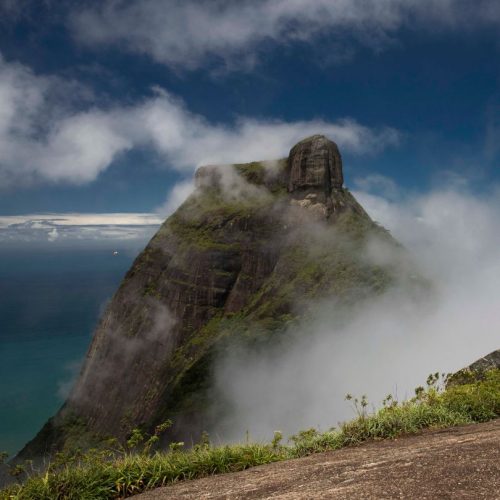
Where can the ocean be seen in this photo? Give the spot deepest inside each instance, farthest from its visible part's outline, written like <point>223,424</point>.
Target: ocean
<point>50,302</point>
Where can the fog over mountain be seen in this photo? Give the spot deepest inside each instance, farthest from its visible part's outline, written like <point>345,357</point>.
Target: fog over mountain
<point>393,342</point>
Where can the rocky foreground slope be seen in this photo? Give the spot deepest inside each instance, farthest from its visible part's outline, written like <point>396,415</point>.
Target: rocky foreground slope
<point>242,260</point>
<point>459,462</point>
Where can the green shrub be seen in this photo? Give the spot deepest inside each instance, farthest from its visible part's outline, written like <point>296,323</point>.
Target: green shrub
<point>479,400</point>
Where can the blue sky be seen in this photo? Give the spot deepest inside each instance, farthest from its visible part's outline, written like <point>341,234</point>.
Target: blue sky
<point>107,106</point>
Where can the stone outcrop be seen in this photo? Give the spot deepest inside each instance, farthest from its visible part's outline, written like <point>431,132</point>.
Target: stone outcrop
<point>475,371</point>
<point>314,179</point>
<point>315,164</point>
<point>488,362</point>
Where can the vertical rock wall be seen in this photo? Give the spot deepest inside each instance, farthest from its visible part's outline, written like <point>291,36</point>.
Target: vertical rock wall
<point>315,164</point>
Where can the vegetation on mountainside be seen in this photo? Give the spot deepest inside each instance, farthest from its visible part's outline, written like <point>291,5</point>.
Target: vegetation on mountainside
<point>260,173</point>
<point>133,467</point>
<point>203,218</point>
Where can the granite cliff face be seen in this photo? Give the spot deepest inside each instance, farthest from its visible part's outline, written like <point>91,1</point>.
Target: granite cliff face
<point>315,163</point>
<point>243,258</point>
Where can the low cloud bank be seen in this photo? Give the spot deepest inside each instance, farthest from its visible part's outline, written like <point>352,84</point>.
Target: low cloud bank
<point>75,227</point>
<point>392,343</point>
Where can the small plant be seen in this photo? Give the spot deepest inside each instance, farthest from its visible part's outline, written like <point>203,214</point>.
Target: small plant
<point>419,392</point>
<point>205,439</point>
<point>359,405</point>
<point>277,438</point>
<point>304,436</point>
<point>390,401</point>
<point>17,470</point>
<point>433,379</point>
<point>173,447</point>
<point>135,439</point>
<point>143,443</point>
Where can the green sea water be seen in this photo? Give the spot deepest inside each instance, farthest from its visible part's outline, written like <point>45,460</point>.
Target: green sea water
<point>50,301</point>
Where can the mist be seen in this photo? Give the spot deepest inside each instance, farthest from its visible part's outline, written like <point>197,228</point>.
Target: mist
<point>389,344</point>
<point>123,351</point>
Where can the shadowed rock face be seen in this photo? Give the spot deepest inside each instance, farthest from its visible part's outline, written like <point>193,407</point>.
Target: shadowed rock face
<point>315,164</point>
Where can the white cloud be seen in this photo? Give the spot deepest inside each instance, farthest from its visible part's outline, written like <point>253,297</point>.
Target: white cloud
<point>190,34</point>
<point>81,146</point>
<point>73,227</point>
<point>43,137</point>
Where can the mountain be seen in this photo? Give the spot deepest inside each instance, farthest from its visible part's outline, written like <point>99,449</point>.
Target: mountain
<point>247,256</point>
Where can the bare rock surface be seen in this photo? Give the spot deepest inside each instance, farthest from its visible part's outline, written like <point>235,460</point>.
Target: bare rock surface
<point>460,462</point>
<point>476,370</point>
<point>488,362</point>
<point>315,163</point>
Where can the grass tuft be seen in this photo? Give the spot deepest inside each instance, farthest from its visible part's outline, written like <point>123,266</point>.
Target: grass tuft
<point>101,474</point>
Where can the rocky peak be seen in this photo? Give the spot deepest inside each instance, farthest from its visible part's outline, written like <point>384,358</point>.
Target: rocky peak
<point>219,267</point>
<point>315,165</point>
<point>312,175</point>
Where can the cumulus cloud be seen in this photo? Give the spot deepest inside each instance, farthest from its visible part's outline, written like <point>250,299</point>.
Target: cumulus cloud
<point>189,33</point>
<point>40,135</point>
<point>393,342</point>
<point>43,137</point>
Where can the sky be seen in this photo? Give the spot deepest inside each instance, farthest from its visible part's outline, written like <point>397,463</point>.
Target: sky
<point>109,107</point>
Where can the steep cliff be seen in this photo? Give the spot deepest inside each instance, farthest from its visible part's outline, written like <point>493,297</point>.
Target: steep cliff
<point>245,257</point>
